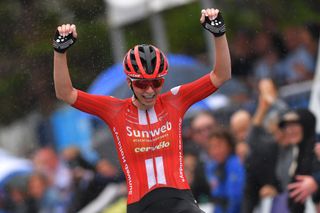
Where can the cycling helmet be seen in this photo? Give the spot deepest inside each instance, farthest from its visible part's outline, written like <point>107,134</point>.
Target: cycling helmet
<point>146,62</point>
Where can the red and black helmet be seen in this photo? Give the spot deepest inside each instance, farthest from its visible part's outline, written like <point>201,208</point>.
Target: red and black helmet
<point>146,62</point>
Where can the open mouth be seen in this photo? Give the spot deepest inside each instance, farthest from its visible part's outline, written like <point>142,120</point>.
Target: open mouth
<point>148,97</point>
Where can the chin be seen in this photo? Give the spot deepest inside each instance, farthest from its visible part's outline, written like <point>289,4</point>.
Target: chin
<point>149,105</point>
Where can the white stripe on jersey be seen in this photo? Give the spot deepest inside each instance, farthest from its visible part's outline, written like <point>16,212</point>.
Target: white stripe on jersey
<point>152,116</point>
<point>160,171</point>
<point>142,117</point>
<point>150,172</point>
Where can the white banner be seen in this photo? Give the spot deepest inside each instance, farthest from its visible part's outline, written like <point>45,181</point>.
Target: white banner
<point>314,105</point>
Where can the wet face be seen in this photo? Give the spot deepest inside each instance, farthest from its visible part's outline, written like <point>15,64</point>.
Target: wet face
<point>218,149</point>
<point>293,133</point>
<point>46,160</point>
<point>240,124</point>
<point>146,91</point>
<point>201,128</point>
<point>37,186</point>
<point>240,130</point>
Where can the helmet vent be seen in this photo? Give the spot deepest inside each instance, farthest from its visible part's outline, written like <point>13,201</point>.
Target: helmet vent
<point>145,61</point>
<point>133,62</point>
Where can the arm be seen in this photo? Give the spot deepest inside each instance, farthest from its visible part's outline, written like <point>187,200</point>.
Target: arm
<point>222,70</point>
<point>223,65</point>
<point>62,81</point>
<point>255,139</point>
<point>261,111</point>
<point>267,96</point>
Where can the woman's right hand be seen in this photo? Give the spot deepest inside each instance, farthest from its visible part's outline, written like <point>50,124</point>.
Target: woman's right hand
<point>65,36</point>
<point>66,29</point>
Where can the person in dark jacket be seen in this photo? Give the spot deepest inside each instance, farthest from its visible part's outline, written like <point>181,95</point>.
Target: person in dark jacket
<point>298,127</point>
<point>264,141</point>
<point>280,164</point>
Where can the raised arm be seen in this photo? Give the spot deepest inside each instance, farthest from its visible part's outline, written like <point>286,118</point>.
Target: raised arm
<point>267,97</point>
<point>211,19</point>
<point>66,36</point>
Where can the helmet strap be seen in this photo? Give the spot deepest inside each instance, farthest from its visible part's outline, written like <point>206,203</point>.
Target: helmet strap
<point>134,94</point>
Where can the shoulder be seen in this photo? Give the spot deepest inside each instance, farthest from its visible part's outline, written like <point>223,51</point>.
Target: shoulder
<point>97,100</point>
<point>234,161</point>
<point>175,91</point>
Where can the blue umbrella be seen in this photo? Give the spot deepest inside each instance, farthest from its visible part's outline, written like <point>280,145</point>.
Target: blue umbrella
<point>12,166</point>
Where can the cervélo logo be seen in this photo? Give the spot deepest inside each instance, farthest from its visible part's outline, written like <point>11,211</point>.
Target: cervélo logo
<point>161,145</point>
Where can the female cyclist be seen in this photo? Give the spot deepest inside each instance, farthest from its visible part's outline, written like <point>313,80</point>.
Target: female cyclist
<point>147,127</point>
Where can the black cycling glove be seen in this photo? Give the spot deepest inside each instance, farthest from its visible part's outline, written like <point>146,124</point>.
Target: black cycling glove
<point>62,43</point>
<point>215,26</point>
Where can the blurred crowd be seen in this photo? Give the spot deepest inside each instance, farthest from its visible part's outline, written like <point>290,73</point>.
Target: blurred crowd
<point>269,153</point>
<point>263,148</point>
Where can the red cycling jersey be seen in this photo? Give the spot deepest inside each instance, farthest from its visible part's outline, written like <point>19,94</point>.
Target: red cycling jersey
<point>148,142</point>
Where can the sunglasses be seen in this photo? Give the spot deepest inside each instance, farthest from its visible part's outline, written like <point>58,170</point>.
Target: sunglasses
<point>144,83</point>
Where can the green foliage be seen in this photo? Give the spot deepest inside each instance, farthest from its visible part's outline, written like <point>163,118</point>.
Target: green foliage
<point>185,33</point>
<point>86,10</point>
<point>138,33</point>
<point>26,56</point>
<point>91,54</point>
<point>14,106</point>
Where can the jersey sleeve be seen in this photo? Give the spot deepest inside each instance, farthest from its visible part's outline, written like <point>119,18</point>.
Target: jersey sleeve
<point>185,95</point>
<point>102,106</point>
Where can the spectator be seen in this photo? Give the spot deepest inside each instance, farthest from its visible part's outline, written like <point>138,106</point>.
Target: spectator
<point>240,123</point>
<point>316,175</point>
<point>274,106</point>
<point>47,162</point>
<point>291,158</point>
<point>201,124</point>
<point>299,64</point>
<point>73,157</point>
<point>41,197</point>
<point>295,167</point>
<point>264,132</point>
<point>309,38</point>
<point>194,170</point>
<point>262,42</point>
<point>190,164</point>
<point>89,184</point>
<point>267,64</point>
<point>224,172</point>
<point>15,198</point>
